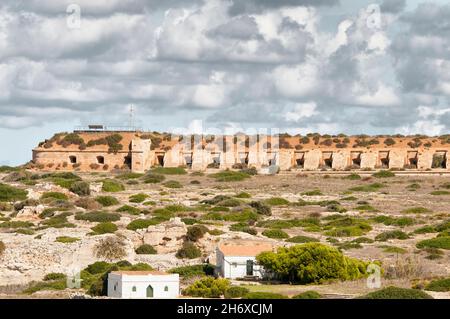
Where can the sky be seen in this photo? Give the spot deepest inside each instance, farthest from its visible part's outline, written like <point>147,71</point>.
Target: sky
<point>222,66</point>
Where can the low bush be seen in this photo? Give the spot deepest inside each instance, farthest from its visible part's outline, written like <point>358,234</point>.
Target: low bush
<point>243,195</point>
<point>107,201</point>
<point>245,228</point>
<point>438,242</point>
<point>129,210</point>
<point>80,188</point>
<point>67,239</point>
<point>302,239</point>
<point>194,233</point>
<point>439,193</point>
<point>229,176</point>
<point>169,170</point>
<point>276,201</point>
<point>275,233</point>
<point>104,228</point>
<point>188,251</point>
<point>208,287</point>
<point>173,184</point>
<point>16,224</point>
<point>129,175</point>
<point>111,186</point>
<point>261,208</point>
<point>311,263</point>
<point>141,224</point>
<point>383,174</point>
<point>193,270</point>
<point>138,198</point>
<point>392,234</point>
<point>88,203</point>
<point>152,178</point>
<point>236,292</point>
<point>263,295</point>
<point>308,295</point>
<point>416,210</point>
<point>55,276</point>
<point>352,177</point>
<point>146,249</point>
<point>315,192</point>
<point>98,217</point>
<point>54,195</point>
<point>441,285</point>
<point>110,248</point>
<point>367,188</point>
<point>397,293</point>
<point>230,202</point>
<point>46,285</point>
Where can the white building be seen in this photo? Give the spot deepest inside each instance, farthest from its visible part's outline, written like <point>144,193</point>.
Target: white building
<point>237,259</point>
<point>143,284</point>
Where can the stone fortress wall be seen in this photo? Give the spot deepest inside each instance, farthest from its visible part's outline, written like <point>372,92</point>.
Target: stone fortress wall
<point>140,151</point>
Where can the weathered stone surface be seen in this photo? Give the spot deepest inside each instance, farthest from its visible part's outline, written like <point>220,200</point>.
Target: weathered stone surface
<point>30,212</point>
<point>368,160</point>
<point>341,160</point>
<point>397,158</point>
<point>166,237</point>
<point>312,159</point>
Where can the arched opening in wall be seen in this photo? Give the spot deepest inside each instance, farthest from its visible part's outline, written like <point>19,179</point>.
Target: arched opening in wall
<point>100,160</point>
<point>327,159</point>
<point>383,157</point>
<point>300,159</point>
<point>411,160</point>
<point>127,161</point>
<point>72,159</point>
<point>439,160</point>
<point>188,160</point>
<point>356,159</point>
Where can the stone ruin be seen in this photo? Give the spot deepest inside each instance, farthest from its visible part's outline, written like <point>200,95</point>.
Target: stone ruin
<point>140,151</point>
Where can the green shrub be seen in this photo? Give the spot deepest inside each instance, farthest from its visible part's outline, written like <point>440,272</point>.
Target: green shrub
<point>66,239</point>
<point>439,285</point>
<point>353,177</point>
<point>261,208</point>
<point>152,178</point>
<point>383,174</point>
<point>416,210</point>
<point>208,287</point>
<point>315,192</point>
<point>129,175</point>
<point>8,169</point>
<point>98,267</point>
<point>367,188</point>
<point>230,202</point>
<point>138,198</point>
<point>402,221</point>
<point>173,184</point>
<point>46,285</point>
<point>263,295</point>
<point>194,233</point>
<point>59,221</point>
<point>80,188</point>
<point>310,294</point>
<point>188,251</point>
<point>438,242</point>
<point>54,195</point>
<point>392,234</point>
<point>140,224</point>
<point>104,228</point>
<point>424,230</point>
<point>438,193</point>
<point>276,201</point>
<point>16,224</point>
<point>111,186</point>
<point>275,233</point>
<point>107,201</point>
<point>243,227</point>
<point>129,210</point>
<point>146,249</point>
<point>230,176</point>
<point>243,195</point>
<point>343,226</point>
<point>311,263</point>
<point>236,292</point>
<point>169,170</point>
<point>110,248</point>
<point>396,293</point>
<point>393,250</point>
<point>302,239</point>
<point>98,217</point>
<point>193,270</point>
<point>55,276</point>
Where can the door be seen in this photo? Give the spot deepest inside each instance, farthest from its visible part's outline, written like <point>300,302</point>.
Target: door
<point>249,267</point>
<point>149,291</point>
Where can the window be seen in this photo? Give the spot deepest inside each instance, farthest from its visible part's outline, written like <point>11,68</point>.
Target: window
<point>73,159</point>
<point>166,288</point>
<point>100,160</point>
<point>115,286</point>
<point>134,289</point>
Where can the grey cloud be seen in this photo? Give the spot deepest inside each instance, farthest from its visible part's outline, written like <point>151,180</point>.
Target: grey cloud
<point>252,6</point>
<point>243,27</point>
<point>393,6</point>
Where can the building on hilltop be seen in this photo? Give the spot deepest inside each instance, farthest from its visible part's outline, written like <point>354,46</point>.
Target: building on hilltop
<point>101,150</point>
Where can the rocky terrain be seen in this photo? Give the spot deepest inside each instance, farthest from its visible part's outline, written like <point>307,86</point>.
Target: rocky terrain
<point>50,223</point>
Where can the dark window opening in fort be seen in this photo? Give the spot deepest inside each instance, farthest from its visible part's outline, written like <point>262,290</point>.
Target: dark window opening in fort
<point>272,159</point>
<point>327,159</point>
<point>73,159</point>
<point>243,158</point>
<point>300,160</point>
<point>127,161</point>
<point>384,159</point>
<point>187,159</point>
<point>439,160</point>
<point>412,160</point>
<point>100,160</point>
<point>160,159</point>
<point>356,159</point>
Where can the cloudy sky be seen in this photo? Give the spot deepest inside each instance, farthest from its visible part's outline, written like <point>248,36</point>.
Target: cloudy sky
<point>328,66</point>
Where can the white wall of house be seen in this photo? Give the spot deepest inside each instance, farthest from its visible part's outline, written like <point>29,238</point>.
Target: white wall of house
<point>136,286</point>
<point>233,267</point>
